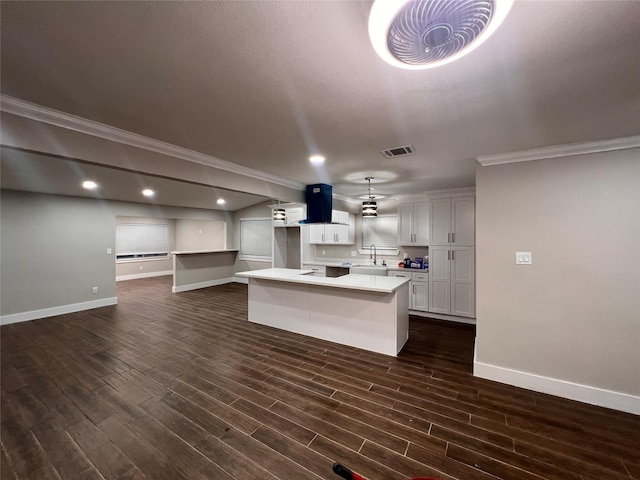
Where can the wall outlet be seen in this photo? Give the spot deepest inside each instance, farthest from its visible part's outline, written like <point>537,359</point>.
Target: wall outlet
<point>324,252</point>
<point>108,251</point>
<point>140,267</point>
<point>524,258</point>
<point>94,290</point>
<point>353,253</point>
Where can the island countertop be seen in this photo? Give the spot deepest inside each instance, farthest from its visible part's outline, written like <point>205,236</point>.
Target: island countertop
<point>370,283</point>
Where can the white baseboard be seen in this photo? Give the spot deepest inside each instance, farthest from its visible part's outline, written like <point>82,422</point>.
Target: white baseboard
<point>439,316</point>
<point>53,311</point>
<point>135,276</point>
<point>195,286</point>
<point>241,280</point>
<point>561,388</point>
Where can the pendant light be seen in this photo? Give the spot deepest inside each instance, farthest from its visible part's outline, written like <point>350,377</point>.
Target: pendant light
<point>279,215</point>
<point>370,207</point>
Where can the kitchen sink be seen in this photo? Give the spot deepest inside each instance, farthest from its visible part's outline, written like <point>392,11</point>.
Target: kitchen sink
<point>369,270</point>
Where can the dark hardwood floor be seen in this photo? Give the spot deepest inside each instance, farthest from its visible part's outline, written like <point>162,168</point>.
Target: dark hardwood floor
<point>182,386</point>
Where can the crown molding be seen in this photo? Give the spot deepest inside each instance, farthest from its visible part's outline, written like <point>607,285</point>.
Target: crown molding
<point>67,121</point>
<point>557,151</point>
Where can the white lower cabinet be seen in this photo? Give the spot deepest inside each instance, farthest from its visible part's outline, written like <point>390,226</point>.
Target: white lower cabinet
<point>452,280</point>
<point>318,270</point>
<point>418,288</point>
<point>419,291</point>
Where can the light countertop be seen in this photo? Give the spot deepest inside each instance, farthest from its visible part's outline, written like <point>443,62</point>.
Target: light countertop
<point>370,283</point>
<point>194,252</point>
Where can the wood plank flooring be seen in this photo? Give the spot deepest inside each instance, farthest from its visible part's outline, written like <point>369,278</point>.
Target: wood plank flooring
<point>182,386</point>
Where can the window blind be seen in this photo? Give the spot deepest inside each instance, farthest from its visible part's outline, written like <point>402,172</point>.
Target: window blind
<point>255,237</point>
<point>382,231</point>
<point>134,239</point>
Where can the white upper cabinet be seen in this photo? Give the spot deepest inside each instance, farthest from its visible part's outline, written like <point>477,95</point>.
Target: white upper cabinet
<point>331,234</point>
<point>452,221</point>
<point>413,224</point>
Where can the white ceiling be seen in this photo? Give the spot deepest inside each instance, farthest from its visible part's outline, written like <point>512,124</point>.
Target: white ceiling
<point>264,84</point>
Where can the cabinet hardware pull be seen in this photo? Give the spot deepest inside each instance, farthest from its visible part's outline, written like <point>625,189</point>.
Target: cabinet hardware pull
<point>448,254</point>
<point>453,254</point>
<point>414,289</point>
<point>453,236</point>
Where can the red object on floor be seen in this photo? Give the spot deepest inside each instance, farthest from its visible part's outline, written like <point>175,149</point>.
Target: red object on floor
<point>347,474</point>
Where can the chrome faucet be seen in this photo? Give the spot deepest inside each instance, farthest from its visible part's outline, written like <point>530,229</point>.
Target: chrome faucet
<point>375,254</point>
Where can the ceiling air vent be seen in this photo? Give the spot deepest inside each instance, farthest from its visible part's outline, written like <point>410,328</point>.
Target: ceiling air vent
<point>398,151</point>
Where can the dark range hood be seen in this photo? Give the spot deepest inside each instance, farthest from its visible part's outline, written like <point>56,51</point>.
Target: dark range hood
<point>319,199</point>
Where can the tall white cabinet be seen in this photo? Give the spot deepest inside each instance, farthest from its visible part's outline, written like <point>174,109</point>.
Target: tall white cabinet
<point>413,224</point>
<point>452,256</point>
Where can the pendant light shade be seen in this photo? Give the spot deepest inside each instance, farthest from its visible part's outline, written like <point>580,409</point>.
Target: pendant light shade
<point>279,216</point>
<point>370,207</point>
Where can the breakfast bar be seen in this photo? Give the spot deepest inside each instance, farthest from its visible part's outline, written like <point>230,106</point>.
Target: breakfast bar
<point>364,311</point>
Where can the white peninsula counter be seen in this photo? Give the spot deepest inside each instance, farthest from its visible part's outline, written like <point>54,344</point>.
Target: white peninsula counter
<point>364,311</point>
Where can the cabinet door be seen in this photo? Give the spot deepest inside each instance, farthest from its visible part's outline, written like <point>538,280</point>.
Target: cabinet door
<point>463,269</point>
<point>405,224</point>
<point>421,224</point>
<point>439,279</point>
<point>463,221</point>
<point>343,234</point>
<point>440,221</point>
<point>330,234</point>
<point>420,296</point>
<point>316,233</point>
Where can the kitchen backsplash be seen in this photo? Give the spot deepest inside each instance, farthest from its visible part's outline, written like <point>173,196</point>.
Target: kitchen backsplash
<point>343,253</point>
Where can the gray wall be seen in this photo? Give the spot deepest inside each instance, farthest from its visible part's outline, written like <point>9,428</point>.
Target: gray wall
<point>53,248</point>
<point>54,251</point>
<point>574,315</point>
<point>201,235</point>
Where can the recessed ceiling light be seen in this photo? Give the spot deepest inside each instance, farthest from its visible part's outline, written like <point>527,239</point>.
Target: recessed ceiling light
<point>221,201</point>
<point>316,159</point>
<point>147,192</point>
<point>89,185</point>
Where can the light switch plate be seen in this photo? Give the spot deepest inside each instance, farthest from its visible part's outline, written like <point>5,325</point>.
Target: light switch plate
<point>524,258</point>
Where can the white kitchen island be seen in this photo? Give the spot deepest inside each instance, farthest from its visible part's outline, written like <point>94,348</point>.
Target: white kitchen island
<point>364,311</point>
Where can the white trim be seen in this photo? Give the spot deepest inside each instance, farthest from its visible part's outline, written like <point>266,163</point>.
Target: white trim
<point>135,276</point>
<point>195,286</point>
<point>254,258</point>
<point>574,391</point>
<point>241,280</point>
<point>556,151</point>
<point>439,316</point>
<point>53,311</point>
<point>60,119</point>
<point>142,259</point>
